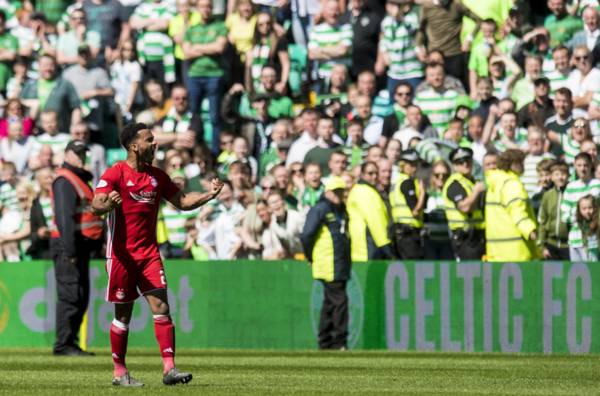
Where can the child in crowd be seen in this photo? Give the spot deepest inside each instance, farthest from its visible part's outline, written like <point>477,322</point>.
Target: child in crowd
<point>544,174</point>
<point>587,218</point>
<point>554,233</point>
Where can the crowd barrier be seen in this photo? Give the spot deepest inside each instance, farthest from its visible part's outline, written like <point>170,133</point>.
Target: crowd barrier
<point>544,307</point>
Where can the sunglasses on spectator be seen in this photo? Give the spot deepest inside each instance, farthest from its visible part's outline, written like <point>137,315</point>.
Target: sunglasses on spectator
<point>402,93</point>
<point>440,175</point>
<point>298,170</point>
<point>267,187</point>
<point>462,162</point>
<point>582,57</point>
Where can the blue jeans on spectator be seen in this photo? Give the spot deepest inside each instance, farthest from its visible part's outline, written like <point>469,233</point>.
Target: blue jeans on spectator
<point>392,83</point>
<point>211,88</point>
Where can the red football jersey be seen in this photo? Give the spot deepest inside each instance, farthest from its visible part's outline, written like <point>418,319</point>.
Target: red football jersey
<point>132,225</point>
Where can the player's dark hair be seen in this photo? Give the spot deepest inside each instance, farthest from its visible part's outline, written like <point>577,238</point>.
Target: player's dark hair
<point>130,132</point>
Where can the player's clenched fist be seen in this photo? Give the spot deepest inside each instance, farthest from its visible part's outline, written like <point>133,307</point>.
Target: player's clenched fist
<point>216,186</point>
<point>114,199</point>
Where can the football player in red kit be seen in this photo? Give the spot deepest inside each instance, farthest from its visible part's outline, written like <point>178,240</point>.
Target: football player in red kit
<point>130,192</point>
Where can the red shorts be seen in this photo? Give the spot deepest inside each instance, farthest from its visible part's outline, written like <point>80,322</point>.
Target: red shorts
<point>127,280</point>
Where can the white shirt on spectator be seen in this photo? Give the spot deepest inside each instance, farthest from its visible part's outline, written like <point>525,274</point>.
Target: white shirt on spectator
<point>225,235</point>
<point>591,37</point>
<point>299,148</point>
<point>284,236</point>
<point>372,130</point>
<point>18,151</point>
<point>123,75</point>
<point>580,85</point>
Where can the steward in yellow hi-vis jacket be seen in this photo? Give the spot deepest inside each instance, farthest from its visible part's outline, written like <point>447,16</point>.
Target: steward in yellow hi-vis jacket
<point>368,218</point>
<point>463,206</point>
<point>407,201</point>
<point>510,221</point>
<point>327,247</point>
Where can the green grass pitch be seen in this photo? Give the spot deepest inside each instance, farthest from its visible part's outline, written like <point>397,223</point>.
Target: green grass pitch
<point>221,372</point>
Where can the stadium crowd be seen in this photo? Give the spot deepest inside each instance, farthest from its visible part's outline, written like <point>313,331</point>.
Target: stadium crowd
<point>426,109</point>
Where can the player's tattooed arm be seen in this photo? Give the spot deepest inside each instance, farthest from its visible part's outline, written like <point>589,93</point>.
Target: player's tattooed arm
<point>190,201</point>
<point>104,203</point>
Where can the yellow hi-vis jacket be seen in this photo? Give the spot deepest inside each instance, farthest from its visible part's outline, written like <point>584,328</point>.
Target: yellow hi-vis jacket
<point>509,218</point>
<point>458,220</point>
<point>401,212</point>
<point>368,221</point>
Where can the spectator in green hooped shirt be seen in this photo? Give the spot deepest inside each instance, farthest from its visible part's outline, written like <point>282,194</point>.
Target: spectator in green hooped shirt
<point>8,52</point>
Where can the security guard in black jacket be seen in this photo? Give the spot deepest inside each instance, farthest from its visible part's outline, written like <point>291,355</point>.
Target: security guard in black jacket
<point>327,247</point>
<point>74,234</point>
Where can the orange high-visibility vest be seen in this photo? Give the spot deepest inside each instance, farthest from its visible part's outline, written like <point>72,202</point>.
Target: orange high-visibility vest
<point>88,223</point>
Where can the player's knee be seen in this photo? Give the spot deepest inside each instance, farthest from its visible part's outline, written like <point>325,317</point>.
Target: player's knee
<point>160,308</point>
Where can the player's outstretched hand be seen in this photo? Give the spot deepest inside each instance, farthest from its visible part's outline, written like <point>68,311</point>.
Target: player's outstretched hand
<point>216,186</point>
<point>114,199</point>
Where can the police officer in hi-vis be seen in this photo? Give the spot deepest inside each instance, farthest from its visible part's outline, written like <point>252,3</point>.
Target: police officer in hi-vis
<point>463,203</point>
<point>408,201</point>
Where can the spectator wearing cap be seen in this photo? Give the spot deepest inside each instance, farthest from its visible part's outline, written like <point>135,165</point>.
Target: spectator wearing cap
<point>51,92</point>
<point>9,47</point>
<point>92,84</point>
<point>590,34</point>
<point>510,232</point>
<point>584,80</point>
<point>561,25</point>
<point>326,245</point>
<point>397,48</point>
<point>408,201</point>
<point>540,108</point>
<point>76,231</point>
<point>77,34</point>
<point>463,202</point>
<point>559,76</point>
<point>368,218</point>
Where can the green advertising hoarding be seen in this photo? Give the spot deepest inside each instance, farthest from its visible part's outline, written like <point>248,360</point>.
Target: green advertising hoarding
<point>550,307</point>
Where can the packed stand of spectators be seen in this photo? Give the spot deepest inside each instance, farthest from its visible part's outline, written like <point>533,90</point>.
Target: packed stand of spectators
<point>278,97</point>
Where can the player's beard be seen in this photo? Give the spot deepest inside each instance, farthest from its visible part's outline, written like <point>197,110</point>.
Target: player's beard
<point>149,156</point>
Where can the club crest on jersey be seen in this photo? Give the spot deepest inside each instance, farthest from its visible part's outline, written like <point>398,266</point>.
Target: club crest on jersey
<point>153,181</point>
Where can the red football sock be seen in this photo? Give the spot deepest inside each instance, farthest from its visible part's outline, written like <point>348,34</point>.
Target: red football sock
<point>118,345</point>
<point>165,335</point>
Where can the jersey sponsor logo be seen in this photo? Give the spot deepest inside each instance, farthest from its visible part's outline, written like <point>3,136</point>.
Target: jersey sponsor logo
<point>102,183</point>
<point>120,294</point>
<point>130,183</point>
<point>147,197</point>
